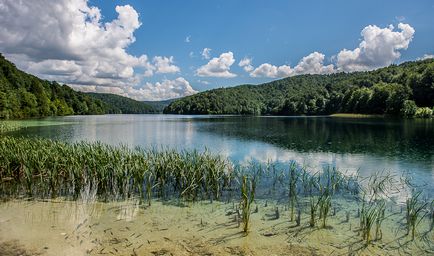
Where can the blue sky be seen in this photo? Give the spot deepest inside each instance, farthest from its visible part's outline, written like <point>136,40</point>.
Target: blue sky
<point>277,34</point>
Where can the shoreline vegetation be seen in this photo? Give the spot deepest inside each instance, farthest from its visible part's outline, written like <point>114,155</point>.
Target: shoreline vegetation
<point>25,96</point>
<point>41,169</point>
<point>404,90</point>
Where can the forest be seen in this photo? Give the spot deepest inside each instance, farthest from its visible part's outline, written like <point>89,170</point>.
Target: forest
<point>406,89</point>
<point>24,96</point>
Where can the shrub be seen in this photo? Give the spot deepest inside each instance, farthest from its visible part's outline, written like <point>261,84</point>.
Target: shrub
<point>424,112</point>
<point>409,108</point>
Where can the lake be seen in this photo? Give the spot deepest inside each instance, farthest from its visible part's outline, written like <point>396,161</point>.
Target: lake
<point>176,225</point>
<point>366,145</point>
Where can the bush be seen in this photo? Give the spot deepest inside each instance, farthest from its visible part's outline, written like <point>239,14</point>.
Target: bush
<point>409,108</point>
<point>424,112</point>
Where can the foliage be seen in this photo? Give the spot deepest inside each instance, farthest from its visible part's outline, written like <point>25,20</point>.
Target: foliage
<point>382,91</point>
<point>23,95</point>
<point>424,112</point>
<point>122,105</point>
<point>409,108</point>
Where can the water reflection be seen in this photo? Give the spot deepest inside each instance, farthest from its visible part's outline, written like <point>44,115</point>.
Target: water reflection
<point>367,145</point>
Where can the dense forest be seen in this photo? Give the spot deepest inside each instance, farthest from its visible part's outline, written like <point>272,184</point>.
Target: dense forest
<point>123,105</point>
<point>159,105</point>
<point>407,89</point>
<point>23,95</point>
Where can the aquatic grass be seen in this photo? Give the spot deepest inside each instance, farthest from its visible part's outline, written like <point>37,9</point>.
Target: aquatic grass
<point>248,187</point>
<point>292,191</point>
<point>414,214</point>
<point>40,167</point>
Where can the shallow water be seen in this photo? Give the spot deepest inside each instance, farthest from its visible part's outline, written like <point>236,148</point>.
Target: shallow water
<point>125,228</point>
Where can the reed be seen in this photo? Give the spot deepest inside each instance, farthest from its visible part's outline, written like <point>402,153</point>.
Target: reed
<point>248,187</point>
<point>45,168</point>
<point>292,194</point>
<point>414,214</point>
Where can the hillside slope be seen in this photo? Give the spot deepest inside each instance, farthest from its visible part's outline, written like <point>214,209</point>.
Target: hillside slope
<point>122,105</point>
<point>23,95</point>
<point>382,91</point>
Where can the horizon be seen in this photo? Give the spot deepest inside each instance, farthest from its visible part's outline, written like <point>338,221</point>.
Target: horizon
<point>116,47</point>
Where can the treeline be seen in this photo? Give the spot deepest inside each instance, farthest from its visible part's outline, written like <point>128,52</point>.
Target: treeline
<point>122,105</point>
<point>407,89</point>
<point>23,95</point>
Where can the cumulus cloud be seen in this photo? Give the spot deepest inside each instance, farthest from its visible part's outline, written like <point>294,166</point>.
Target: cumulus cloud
<point>218,67</point>
<point>379,48</point>
<point>268,70</point>
<point>187,39</point>
<point>206,53</point>
<point>167,89</point>
<point>67,41</point>
<point>246,64</point>
<point>426,56</point>
<point>165,65</point>
<point>311,64</point>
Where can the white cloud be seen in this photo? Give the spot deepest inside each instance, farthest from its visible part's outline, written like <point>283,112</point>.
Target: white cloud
<point>165,65</point>
<point>218,67</point>
<point>379,48</point>
<point>203,82</point>
<point>246,64</point>
<point>311,64</point>
<point>426,56</point>
<point>206,53</point>
<point>187,39</point>
<point>168,89</point>
<point>268,70</point>
<point>67,41</point>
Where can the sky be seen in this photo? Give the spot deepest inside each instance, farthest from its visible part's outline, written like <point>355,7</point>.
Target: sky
<point>156,50</point>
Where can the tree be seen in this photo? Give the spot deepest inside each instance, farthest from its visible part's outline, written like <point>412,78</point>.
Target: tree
<point>409,108</point>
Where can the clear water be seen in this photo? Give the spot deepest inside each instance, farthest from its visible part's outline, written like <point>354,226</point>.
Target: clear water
<point>350,144</point>
<point>87,227</point>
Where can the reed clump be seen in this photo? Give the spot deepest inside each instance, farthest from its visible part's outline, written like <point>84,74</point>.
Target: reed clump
<point>46,168</point>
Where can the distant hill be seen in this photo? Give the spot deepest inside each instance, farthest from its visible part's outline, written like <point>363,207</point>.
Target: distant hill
<point>122,105</point>
<point>159,105</point>
<point>23,95</point>
<point>391,90</point>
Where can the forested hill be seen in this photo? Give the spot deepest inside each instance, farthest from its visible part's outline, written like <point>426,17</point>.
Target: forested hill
<point>123,105</point>
<point>23,95</point>
<point>391,90</point>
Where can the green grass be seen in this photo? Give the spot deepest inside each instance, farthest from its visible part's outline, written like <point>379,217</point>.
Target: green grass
<point>45,168</point>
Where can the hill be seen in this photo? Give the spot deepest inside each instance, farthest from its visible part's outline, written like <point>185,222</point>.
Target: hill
<point>122,105</point>
<point>159,105</point>
<point>391,90</point>
<point>23,95</point>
